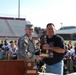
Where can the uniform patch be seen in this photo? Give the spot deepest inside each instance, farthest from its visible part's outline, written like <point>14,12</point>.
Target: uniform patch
<point>26,41</point>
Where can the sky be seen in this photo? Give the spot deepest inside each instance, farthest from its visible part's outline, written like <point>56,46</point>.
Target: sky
<point>41,12</point>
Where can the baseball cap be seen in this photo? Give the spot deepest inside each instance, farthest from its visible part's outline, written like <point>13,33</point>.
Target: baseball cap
<point>29,26</point>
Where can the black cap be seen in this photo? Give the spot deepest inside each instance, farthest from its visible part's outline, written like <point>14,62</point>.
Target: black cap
<point>29,26</point>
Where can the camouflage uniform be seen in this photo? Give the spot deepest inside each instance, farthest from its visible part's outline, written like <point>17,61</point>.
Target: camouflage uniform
<point>26,48</point>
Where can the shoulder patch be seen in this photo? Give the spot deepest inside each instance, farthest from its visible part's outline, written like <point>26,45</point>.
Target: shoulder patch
<point>26,41</point>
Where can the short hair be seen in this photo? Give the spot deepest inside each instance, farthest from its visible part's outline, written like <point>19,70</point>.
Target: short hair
<point>11,41</point>
<point>49,24</point>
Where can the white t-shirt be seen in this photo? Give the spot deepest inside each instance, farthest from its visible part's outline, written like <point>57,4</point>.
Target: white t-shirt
<point>68,53</point>
<point>13,51</point>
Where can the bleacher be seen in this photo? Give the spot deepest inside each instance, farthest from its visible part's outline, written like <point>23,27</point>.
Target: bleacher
<point>4,29</point>
<point>12,27</point>
<point>17,26</point>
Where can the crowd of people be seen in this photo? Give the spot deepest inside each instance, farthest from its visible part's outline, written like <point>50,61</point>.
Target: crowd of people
<point>61,56</point>
<point>8,50</point>
<point>70,57</point>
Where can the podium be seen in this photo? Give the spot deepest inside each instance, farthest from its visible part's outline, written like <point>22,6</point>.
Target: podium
<point>17,67</point>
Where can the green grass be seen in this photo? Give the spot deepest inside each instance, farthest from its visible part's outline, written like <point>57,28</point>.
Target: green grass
<point>67,41</point>
<point>7,41</point>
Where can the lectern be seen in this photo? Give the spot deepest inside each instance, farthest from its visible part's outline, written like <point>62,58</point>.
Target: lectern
<point>17,67</point>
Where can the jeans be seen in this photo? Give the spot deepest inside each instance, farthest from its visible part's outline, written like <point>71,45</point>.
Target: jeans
<point>55,68</point>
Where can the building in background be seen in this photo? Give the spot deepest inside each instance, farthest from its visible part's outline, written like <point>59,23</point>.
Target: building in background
<point>67,32</point>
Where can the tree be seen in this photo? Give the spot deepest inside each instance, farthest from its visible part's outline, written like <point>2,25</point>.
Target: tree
<point>37,29</point>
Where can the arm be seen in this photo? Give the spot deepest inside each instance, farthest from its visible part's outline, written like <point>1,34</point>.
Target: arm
<point>59,45</point>
<point>10,53</point>
<point>57,49</point>
<point>23,45</point>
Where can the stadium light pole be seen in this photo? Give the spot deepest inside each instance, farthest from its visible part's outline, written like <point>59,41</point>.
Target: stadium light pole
<point>18,8</point>
<point>61,25</point>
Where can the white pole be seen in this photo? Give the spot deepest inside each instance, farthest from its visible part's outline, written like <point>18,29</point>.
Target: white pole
<point>18,8</point>
<point>61,25</point>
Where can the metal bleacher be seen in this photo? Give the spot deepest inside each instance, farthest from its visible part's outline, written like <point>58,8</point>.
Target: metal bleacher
<point>17,26</point>
<point>12,27</point>
<point>4,29</point>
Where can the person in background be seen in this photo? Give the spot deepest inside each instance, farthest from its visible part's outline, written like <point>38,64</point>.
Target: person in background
<point>38,61</point>
<point>2,43</point>
<point>70,43</point>
<point>43,40</point>
<point>37,52</point>
<point>16,43</point>
<point>1,53</point>
<point>56,49</point>
<point>5,47</point>
<point>74,59</point>
<point>67,58</point>
<point>13,51</point>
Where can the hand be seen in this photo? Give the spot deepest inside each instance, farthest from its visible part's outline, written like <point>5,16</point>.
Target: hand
<point>45,47</point>
<point>64,58</point>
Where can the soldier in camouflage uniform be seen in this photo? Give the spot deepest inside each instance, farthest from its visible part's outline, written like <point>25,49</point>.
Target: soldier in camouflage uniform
<point>26,45</point>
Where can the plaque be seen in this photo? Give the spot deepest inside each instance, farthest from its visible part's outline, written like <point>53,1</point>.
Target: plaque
<point>31,72</point>
<point>29,64</point>
<point>44,55</point>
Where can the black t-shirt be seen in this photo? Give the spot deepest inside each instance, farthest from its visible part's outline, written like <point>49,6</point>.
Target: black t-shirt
<point>55,41</point>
